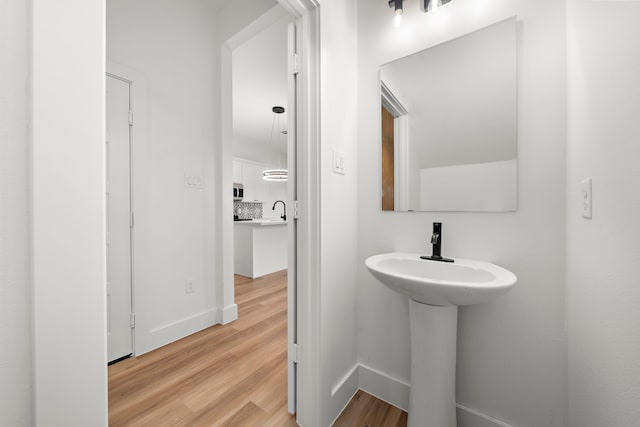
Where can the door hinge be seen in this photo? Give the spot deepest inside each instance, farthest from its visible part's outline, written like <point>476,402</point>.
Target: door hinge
<point>132,320</point>
<point>131,220</point>
<point>130,118</point>
<point>295,64</point>
<point>294,353</point>
<point>296,210</point>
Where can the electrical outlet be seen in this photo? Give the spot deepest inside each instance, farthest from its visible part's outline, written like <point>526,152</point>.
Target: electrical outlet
<point>188,287</point>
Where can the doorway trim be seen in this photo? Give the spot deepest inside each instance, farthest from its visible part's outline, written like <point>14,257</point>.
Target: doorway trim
<point>140,202</point>
<point>402,154</point>
<point>308,189</point>
<point>115,316</point>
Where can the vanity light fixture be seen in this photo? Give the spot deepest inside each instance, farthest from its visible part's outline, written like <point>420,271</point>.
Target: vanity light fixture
<point>275,174</point>
<point>432,6</point>
<point>397,17</point>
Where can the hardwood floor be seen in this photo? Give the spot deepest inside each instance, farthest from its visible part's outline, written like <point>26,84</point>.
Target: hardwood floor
<point>231,375</point>
<point>365,410</point>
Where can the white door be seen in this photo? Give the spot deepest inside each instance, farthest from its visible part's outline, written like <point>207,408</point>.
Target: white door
<point>292,295</point>
<point>119,218</point>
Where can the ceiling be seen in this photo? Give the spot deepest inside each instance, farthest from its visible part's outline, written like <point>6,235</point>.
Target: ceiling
<point>260,82</point>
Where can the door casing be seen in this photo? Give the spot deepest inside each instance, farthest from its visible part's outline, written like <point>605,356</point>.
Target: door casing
<point>119,230</point>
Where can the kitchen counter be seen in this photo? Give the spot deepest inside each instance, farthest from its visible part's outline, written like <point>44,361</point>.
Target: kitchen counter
<point>261,222</point>
<point>260,247</point>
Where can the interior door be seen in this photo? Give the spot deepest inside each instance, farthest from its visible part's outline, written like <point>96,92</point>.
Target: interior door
<point>388,155</point>
<point>119,218</point>
<point>292,155</point>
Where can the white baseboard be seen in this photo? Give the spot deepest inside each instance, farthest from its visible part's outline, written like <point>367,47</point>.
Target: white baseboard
<point>385,387</point>
<point>342,392</point>
<point>228,314</point>
<point>349,379</point>
<point>166,334</point>
<point>163,335</point>
<point>396,392</point>
<point>468,417</point>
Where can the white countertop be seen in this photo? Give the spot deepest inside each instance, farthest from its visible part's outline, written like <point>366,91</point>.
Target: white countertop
<point>261,222</point>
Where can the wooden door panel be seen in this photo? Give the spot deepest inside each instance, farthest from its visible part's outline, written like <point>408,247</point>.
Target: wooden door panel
<point>388,166</point>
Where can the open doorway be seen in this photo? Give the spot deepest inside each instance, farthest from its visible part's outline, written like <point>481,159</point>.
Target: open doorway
<point>261,62</point>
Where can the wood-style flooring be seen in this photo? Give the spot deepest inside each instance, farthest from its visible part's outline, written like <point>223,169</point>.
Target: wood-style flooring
<point>365,410</point>
<point>226,375</point>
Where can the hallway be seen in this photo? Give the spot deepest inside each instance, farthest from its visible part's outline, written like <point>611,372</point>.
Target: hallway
<point>225,375</point>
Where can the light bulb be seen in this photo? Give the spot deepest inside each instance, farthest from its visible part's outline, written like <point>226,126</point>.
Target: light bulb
<point>434,5</point>
<point>397,20</point>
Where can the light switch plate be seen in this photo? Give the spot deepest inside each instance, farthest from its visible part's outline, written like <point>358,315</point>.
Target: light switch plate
<point>193,181</point>
<point>586,198</point>
<point>338,162</point>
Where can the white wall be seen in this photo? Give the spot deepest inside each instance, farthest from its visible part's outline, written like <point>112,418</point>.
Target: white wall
<point>339,203</point>
<point>173,45</point>
<point>237,15</point>
<point>511,353</point>
<point>259,83</point>
<point>68,217</point>
<point>603,263</point>
<point>15,285</point>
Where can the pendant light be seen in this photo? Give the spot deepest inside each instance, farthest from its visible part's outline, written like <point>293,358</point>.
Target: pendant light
<point>275,174</point>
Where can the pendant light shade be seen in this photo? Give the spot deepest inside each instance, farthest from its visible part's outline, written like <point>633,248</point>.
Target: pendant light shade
<point>275,174</point>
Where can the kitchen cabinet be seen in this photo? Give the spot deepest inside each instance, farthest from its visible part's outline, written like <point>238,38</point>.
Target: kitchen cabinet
<point>237,171</point>
<point>260,247</point>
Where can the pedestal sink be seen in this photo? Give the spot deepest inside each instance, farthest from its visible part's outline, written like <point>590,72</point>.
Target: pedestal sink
<point>435,290</point>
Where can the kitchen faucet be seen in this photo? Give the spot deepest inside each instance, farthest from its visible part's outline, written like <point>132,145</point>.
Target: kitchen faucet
<point>284,208</point>
<point>436,243</point>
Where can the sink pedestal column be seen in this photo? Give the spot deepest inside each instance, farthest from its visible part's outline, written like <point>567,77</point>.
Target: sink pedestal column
<point>432,399</point>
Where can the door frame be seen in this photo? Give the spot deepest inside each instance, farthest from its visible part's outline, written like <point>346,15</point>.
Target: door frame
<point>129,213</point>
<point>293,88</point>
<point>140,190</point>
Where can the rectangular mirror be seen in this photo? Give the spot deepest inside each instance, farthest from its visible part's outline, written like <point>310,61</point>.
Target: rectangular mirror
<point>448,125</point>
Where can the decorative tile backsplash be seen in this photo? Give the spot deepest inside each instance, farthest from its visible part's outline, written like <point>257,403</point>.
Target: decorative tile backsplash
<point>247,210</point>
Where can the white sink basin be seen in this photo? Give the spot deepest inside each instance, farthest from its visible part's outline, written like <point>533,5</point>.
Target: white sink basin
<point>462,282</point>
<point>435,290</point>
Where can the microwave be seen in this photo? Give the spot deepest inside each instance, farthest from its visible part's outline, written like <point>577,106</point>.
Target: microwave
<point>238,191</point>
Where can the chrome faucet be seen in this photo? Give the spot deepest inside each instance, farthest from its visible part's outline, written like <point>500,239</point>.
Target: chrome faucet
<point>436,242</point>
<point>284,209</point>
